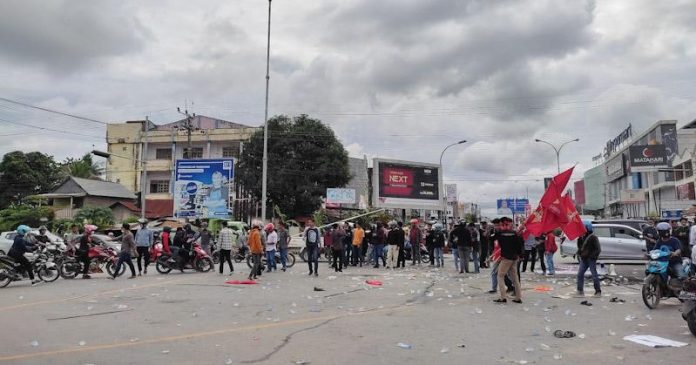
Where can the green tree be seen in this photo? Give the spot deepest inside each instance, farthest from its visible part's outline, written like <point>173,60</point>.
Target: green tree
<point>11,217</point>
<point>27,174</point>
<point>84,167</point>
<point>101,217</point>
<point>304,158</point>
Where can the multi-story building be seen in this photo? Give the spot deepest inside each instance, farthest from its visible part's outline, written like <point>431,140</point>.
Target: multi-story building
<point>159,146</point>
<point>633,193</point>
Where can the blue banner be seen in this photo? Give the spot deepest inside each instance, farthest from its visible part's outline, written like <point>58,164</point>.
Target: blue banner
<point>202,188</point>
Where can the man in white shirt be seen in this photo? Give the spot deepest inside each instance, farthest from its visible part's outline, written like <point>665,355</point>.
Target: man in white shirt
<point>271,241</point>
<point>227,237</point>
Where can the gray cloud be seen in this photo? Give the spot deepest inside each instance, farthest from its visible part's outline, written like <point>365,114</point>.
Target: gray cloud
<point>66,35</point>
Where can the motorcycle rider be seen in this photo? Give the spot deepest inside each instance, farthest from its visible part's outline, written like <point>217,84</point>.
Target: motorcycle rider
<point>650,234</point>
<point>19,247</point>
<point>166,239</point>
<point>42,237</point>
<point>666,239</point>
<point>83,250</point>
<point>72,238</point>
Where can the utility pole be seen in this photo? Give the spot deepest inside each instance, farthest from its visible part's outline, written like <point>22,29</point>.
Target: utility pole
<point>188,126</point>
<point>264,177</point>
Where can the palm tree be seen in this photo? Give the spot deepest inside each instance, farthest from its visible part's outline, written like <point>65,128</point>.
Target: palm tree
<point>83,168</point>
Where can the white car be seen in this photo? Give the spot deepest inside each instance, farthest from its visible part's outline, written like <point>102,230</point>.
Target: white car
<point>617,241</point>
<point>7,239</point>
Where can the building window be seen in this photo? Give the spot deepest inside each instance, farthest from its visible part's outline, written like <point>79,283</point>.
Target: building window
<point>230,152</point>
<point>194,152</point>
<point>164,154</point>
<point>159,186</point>
<point>688,169</point>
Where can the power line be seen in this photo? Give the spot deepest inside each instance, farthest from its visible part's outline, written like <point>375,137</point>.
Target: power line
<point>53,111</point>
<point>49,129</point>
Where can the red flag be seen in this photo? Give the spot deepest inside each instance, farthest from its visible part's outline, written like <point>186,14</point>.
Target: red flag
<point>556,187</point>
<point>534,223</point>
<point>575,227</point>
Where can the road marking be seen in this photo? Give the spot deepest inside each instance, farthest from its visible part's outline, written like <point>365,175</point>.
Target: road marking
<point>191,335</point>
<point>97,294</point>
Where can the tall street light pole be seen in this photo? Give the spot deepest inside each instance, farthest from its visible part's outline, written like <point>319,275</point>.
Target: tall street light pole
<point>264,178</point>
<point>444,200</point>
<point>558,150</point>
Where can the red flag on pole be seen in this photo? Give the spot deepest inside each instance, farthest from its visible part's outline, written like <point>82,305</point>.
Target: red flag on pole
<point>575,227</point>
<point>556,187</point>
<point>550,214</point>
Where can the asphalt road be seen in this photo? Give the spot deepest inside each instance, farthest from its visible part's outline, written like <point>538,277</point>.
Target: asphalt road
<point>443,316</point>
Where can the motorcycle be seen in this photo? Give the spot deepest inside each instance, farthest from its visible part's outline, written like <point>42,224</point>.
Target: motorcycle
<point>688,296</point>
<point>660,282</point>
<point>238,256</point>
<point>100,257</point>
<point>198,260</point>
<point>10,271</point>
<point>423,253</point>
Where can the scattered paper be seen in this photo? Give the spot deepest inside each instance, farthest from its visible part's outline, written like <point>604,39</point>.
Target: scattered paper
<point>654,341</point>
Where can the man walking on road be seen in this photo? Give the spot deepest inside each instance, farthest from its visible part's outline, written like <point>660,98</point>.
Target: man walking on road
<point>226,238</point>
<point>311,235</point>
<point>511,246</point>
<point>256,249</point>
<point>127,249</point>
<point>589,253</point>
<point>144,238</point>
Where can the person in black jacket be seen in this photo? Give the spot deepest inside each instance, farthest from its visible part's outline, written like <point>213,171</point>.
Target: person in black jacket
<point>462,236</point>
<point>588,255</point>
<point>19,247</point>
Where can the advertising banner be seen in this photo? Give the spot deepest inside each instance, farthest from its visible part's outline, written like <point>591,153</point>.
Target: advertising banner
<point>512,205</point>
<point>632,196</point>
<point>672,213</point>
<point>615,168</point>
<point>340,196</point>
<point>644,158</point>
<point>579,188</point>
<point>202,188</point>
<point>403,184</point>
<point>451,192</point>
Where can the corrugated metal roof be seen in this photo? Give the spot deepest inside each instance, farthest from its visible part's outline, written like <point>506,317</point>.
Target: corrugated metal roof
<point>103,188</point>
<point>203,122</point>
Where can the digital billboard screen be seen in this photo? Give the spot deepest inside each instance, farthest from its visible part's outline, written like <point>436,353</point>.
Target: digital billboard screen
<point>401,184</point>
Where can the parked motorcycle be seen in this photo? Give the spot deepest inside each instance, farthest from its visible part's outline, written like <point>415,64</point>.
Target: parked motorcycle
<point>198,260</point>
<point>10,271</point>
<point>238,256</point>
<point>423,253</point>
<point>660,282</point>
<point>101,257</point>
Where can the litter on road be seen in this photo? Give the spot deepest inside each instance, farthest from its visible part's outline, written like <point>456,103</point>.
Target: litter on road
<point>654,341</point>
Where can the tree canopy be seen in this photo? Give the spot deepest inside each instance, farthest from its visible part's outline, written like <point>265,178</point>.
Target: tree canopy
<point>23,174</point>
<point>304,158</point>
<point>84,167</point>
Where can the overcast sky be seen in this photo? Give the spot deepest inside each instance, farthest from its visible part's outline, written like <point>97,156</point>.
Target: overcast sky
<point>394,78</point>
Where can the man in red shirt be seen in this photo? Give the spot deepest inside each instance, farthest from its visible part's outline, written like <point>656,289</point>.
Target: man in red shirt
<point>550,248</point>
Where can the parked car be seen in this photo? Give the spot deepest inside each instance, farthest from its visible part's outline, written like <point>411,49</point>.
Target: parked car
<point>7,239</point>
<point>634,223</point>
<point>618,242</point>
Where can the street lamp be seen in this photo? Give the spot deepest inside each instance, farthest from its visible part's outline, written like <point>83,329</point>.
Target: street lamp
<point>264,178</point>
<point>444,200</point>
<point>143,163</point>
<point>558,150</point>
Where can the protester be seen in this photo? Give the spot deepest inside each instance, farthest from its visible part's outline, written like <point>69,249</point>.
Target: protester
<point>486,245</point>
<point>127,249</point>
<point>415,236</point>
<point>72,239</point>
<point>550,248</point>
<point>311,235</point>
<point>347,243</point>
<point>511,246</point>
<point>462,235</point>
<point>166,239</point>
<point>453,246</point>
<point>271,242</point>
<point>393,242</point>
<point>540,250</point>
<point>358,237</point>
<point>338,234</point>
<point>438,244</point>
<point>430,243</point>
<point>589,253</point>
<point>283,244</point>
<point>42,237</point>
<point>476,240</point>
<point>530,252</point>
<point>328,243</point>
<point>256,249</point>
<point>226,237</point>
<point>144,238</point>
<point>650,235</point>
<point>205,237</point>
<point>495,263</point>
<point>682,234</point>
<point>380,238</point>
<point>83,250</point>
<point>401,244</point>
<point>19,247</point>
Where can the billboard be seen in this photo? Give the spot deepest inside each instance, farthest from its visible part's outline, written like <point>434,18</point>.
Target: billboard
<point>202,188</point>
<point>631,196</point>
<point>645,158</point>
<point>340,196</point>
<point>512,206</point>
<point>403,184</point>
<point>579,188</point>
<point>615,168</point>
<point>451,190</point>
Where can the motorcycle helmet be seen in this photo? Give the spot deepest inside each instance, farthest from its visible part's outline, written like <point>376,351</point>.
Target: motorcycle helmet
<point>437,227</point>
<point>269,227</point>
<point>588,226</point>
<point>43,228</point>
<point>90,228</point>
<point>392,224</point>
<point>664,230</point>
<point>23,229</point>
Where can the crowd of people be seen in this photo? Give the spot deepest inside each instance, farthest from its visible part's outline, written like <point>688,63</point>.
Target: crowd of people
<point>506,250</point>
